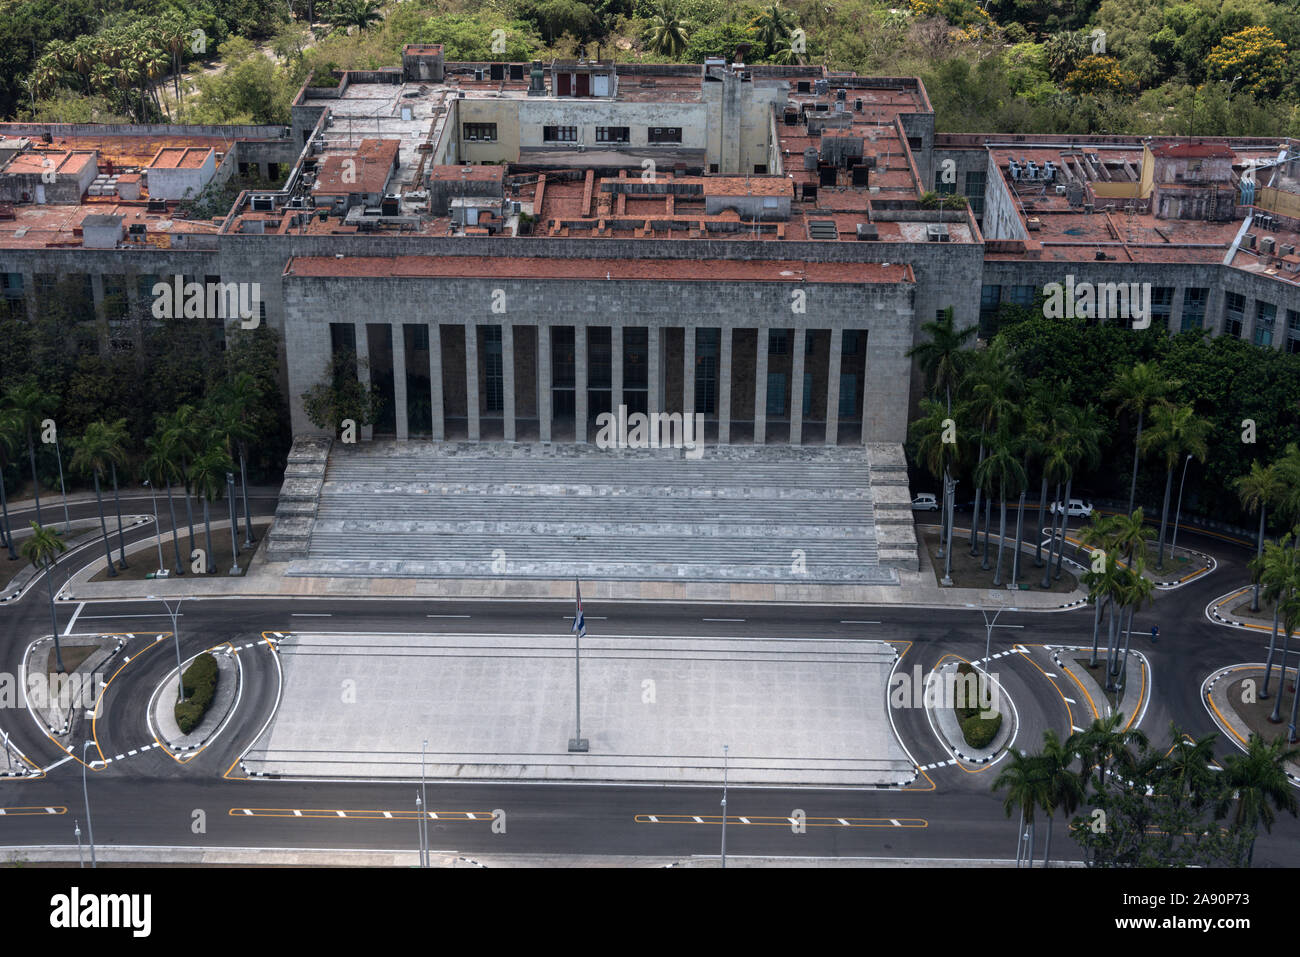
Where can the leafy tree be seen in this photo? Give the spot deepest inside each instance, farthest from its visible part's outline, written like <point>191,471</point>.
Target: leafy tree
<point>341,396</point>
<point>668,32</point>
<point>1255,56</point>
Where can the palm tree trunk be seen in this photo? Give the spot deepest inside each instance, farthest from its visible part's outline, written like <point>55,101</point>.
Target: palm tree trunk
<point>1096,628</point>
<point>975,513</point>
<point>36,485</point>
<point>103,527</point>
<point>117,502</point>
<point>1112,640</point>
<point>1259,553</point>
<point>1128,639</point>
<point>1032,829</point>
<point>4,510</point>
<point>1002,537</point>
<point>1295,698</point>
<point>1065,525</point>
<point>176,538</point>
<point>189,502</point>
<point>249,541</point>
<point>1047,848</point>
<point>1042,510</point>
<point>1137,442</point>
<point>209,563</point>
<point>952,506</point>
<point>1051,545</point>
<point>1020,524</point>
<point>1164,517</point>
<point>1276,716</point>
<point>1268,664</point>
<point>988,508</point>
<point>54,621</point>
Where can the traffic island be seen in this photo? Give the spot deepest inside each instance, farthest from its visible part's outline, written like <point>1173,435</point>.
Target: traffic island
<point>63,702</point>
<point>948,701</point>
<point>1233,697</point>
<point>1091,682</point>
<point>967,570</point>
<point>162,709</point>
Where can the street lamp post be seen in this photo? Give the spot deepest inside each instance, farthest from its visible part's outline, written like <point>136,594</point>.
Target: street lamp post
<point>81,855</point>
<point>157,530</point>
<point>1178,513</point>
<point>724,805</point>
<point>989,625</point>
<point>234,541</point>
<point>419,823</point>
<point>85,791</point>
<point>176,634</point>
<point>424,818</point>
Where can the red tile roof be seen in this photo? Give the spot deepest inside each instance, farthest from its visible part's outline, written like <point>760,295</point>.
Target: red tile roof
<point>368,172</point>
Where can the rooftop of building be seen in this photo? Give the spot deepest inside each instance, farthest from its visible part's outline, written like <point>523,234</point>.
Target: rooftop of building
<point>536,267</point>
<point>180,157</point>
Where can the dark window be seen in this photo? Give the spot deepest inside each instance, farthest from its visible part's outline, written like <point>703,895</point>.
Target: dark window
<point>1292,331</point>
<point>778,342</point>
<point>713,167</point>
<point>706,370</point>
<point>941,187</point>
<point>665,134</point>
<point>1162,305</point>
<point>760,168</point>
<point>990,296</point>
<point>914,142</point>
<point>1234,311</point>
<point>1194,309</point>
<point>975,192</point>
<point>1265,317</point>
<point>1022,295</point>
<point>560,134</point>
<point>850,347</point>
<point>492,369</point>
<point>613,134</point>
<point>480,132</point>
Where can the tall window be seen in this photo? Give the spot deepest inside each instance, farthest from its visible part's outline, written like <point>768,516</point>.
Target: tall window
<point>990,296</point>
<point>492,369</point>
<point>706,370</point>
<point>975,192</point>
<point>1265,317</point>
<point>1194,301</point>
<point>1162,306</point>
<point>1234,311</point>
<point>778,342</point>
<point>1292,331</point>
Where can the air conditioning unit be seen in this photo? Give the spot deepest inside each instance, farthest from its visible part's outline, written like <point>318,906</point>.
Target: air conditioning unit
<point>1060,189</point>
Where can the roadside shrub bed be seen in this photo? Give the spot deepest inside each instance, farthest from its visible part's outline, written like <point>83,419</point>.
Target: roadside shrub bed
<point>980,732</point>
<point>200,681</point>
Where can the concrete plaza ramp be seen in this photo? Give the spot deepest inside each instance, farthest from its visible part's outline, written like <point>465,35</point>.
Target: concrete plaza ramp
<point>464,511</point>
<point>655,710</point>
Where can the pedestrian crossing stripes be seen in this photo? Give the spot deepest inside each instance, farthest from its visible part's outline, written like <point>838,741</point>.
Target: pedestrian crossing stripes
<point>120,757</point>
<point>937,764</point>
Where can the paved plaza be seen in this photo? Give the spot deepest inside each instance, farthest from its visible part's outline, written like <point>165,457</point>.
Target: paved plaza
<point>653,709</point>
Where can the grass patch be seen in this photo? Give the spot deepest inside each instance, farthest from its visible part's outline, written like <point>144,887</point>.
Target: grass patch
<point>72,658</point>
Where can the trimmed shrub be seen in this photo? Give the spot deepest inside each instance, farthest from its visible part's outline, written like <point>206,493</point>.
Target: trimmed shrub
<point>980,732</point>
<point>200,683</point>
<point>965,692</point>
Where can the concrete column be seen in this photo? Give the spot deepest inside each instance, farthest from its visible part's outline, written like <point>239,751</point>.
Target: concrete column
<point>615,367</point>
<point>760,387</point>
<point>471,379</point>
<point>544,383</point>
<point>508,378</point>
<point>688,372</point>
<point>796,387</point>
<point>654,371</point>
<point>435,381</point>
<point>399,381</point>
<point>363,371</point>
<point>724,386</point>
<point>833,386</point>
<point>579,383</point>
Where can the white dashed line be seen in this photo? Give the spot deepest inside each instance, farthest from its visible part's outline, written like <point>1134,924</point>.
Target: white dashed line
<point>297,813</point>
<point>389,815</point>
<point>842,821</point>
<point>697,819</point>
<point>341,813</point>
<point>653,819</point>
<point>1071,700</point>
<point>894,822</point>
<point>744,820</point>
<point>722,619</point>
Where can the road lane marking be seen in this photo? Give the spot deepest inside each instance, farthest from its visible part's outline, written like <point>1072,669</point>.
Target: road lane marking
<point>28,811</point>
<point>446,616</point>
<point>852,622</point>
<point>333,814</point>
<point>914,822</point>
<point>310,614</point>
<point>722,619</point>
<point>73,620</point>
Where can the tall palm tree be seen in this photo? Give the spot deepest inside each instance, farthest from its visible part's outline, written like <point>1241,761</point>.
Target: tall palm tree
<point>9,440</point>
<point>160,465</point>
<point>939,458</point>
<point>1080,445</point>
<point>1063,788</point>
<point>91,455</point>
<point>1257,782</point>
<point>1135,390</point>
<point>1000,472</point>
<point>1137,592</point>
<point>209,477</point>
<point>30,406</point>
<point>1048,407</point>
<point>772,25</point>
<point>1272,570</point>
<point>1025,778</point>
<point>41,551</point>
<point>183,435</point>
<point>668,31</point>
<point>354,13</point>
<point>1187,768</point>
<point>1279,570</point>
<point>117,432</point>
<point>1100,534</point>
<point>1261,487</point>
<point>1175,431</point>
<point>944,355</point>
<point>990,388</point>
<point>229,416</point>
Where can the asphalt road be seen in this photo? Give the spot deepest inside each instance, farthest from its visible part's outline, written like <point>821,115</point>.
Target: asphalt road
<point>150,798</point>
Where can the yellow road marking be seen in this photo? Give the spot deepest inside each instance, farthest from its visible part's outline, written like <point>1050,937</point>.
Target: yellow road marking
<point>29,811</point>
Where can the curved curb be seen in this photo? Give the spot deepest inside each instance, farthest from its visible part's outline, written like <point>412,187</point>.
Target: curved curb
<point>184,753</point>
<point>889,710</point>
<point>273,638</point>
<point>30,575</point>
<point>1212,612</point>
<point>50,729</point>
<point>1207,690</point>
<point>997,753</point>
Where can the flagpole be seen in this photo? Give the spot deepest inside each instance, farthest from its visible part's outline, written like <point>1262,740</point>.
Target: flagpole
<point>578,742</point>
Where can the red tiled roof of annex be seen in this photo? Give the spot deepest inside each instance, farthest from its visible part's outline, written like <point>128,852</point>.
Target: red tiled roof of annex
<point>180,157</point>
<point>372,164</point>
<point>537,267</point>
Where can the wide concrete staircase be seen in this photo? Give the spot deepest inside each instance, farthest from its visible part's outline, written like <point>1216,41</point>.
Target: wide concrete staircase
<point>405,510</point>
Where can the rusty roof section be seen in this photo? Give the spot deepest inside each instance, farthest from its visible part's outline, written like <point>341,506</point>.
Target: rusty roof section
<point>180,157</point>
<point>366,170</point>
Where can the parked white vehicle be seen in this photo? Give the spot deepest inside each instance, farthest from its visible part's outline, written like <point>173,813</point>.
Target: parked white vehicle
<point>925,502</point>
<point>1077,507</point>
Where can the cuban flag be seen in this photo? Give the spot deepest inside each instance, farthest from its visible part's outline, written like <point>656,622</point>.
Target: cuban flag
<point>579,622</point>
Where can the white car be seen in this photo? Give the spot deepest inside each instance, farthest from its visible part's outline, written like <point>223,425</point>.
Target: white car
<point>925,502</point>
<point>1078,507</point>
